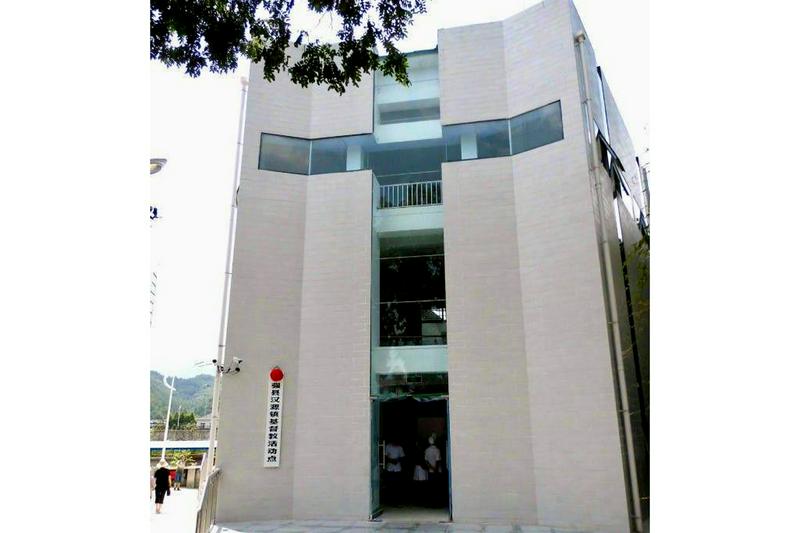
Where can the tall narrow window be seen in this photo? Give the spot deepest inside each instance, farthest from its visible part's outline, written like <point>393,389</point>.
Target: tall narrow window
<point>602,94</point>
<point>413,308</point>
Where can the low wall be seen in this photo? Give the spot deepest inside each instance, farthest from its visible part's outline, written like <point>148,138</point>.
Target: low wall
<point>180,434</point>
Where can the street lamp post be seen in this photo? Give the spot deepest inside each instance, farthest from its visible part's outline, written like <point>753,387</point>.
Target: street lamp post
<point>171,388</point>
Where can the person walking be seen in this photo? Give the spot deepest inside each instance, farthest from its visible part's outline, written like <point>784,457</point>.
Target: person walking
<point>162,483</point>
<point>179,475</point>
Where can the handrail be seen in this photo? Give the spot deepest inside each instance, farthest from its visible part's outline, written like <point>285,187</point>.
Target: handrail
<point>397,341</point>
<point>207,511</point>
<point>204,471</point>
<point>415,194</point>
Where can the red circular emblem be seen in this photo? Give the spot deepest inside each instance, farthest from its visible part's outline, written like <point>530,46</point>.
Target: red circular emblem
<point>276,374</point>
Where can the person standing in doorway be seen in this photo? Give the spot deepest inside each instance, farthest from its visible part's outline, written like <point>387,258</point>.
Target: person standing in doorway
<point>433,457</point>
<point>394,470</point>
<point>162,483</point>
<point>433,462</point>
<point>420,478</point>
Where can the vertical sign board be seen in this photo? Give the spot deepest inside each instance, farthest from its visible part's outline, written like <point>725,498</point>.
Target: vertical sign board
<point>272,443</point>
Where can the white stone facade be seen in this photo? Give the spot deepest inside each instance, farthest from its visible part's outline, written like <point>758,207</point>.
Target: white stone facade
<point>533,413</point>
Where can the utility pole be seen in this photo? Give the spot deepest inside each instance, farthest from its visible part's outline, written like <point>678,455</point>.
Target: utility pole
<point>156,165</point>
<point>218,366</point>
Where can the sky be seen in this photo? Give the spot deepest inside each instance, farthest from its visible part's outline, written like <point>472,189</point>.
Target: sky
<point>194,123</point>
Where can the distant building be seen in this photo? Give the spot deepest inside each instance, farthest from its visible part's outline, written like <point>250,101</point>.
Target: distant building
<point>204,422</point>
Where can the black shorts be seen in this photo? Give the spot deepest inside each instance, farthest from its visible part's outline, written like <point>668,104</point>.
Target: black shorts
<point>160,495</point>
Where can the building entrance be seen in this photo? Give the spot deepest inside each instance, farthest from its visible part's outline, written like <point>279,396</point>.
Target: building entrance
<point>412,455</point>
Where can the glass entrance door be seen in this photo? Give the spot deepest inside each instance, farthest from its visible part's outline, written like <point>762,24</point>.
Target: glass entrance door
<point>377,458</point>
<point>449,463</point>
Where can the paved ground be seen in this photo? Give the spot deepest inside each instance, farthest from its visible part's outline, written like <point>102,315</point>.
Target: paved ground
<point>178,514</point>
<point>328,526</point>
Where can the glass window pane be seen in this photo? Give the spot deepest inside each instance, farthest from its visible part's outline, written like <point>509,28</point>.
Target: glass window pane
<point>328,155</point>
<point>413,244</point>
<point>627,201</point>
<point>283,154</point>
<point>452,142</point>
<point>493,139</point>
<point>408,113</point>
<point>339,154</point>
<point>413,323</point>
<point>478,140</point>
<point>601,93</point>
<point>537,128</point>
<point>412,111</point>
<point>412,278</point>
<point>406,162</point>
<point>413,309</point>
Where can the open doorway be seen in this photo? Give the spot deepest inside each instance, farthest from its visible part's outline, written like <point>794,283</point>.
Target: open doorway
<point>412,445</point>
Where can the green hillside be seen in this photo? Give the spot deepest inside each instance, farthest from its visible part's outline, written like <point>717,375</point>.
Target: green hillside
<point>194,394</point>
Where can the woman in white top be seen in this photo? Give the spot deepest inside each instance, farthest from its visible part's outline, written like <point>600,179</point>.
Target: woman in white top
<point>394,467</point>
<point>394,452</point>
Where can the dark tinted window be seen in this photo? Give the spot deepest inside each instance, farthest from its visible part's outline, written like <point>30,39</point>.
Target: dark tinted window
<point>413,308</point>
<point>283,154</point>
<point>537,128</point>
<point>412,278</point>
<point>406,162</point>
<point>413,161</point>
<point>477,140</point>
<point>339,154</point>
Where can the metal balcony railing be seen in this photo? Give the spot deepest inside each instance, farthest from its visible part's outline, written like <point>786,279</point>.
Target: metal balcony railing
<point>410,194</point>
